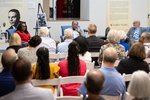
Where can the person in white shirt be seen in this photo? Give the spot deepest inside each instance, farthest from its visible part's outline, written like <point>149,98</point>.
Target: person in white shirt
<point>47,42</point>
<point>22,74</point>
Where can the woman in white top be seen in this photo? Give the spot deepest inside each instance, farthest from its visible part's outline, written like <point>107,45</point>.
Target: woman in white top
<point>84,47</point>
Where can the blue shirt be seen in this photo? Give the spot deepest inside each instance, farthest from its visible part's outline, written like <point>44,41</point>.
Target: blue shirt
<point>63,47</point>
<point>7,83</point>
<point>126,46</point>
<point>136,33</point>
<point>114,83</point>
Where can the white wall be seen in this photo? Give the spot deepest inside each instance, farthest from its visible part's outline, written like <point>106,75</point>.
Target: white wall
<point>97,11</point>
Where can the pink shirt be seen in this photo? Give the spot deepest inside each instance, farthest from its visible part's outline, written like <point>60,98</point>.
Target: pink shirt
<point>70,89</point>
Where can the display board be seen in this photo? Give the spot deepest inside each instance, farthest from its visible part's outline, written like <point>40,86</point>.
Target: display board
<point>119,14</point>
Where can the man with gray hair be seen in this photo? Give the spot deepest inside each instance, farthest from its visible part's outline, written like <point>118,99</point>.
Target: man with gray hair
<point>7,83</point>
<point>94,84</point>
<point>114,82</point>
<point>145,38</point>
<point>46,41</point>
<point>63,47</point>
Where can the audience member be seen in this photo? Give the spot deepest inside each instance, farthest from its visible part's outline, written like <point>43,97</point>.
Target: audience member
<point>139,86</point>
<point>114,39</point>
<point>15,42</point>
<point>76,30</point>
<point>72,66</point>
<point>135,32</point>
<point>114,82</point>
<point>43,69</point>
<point>21,72</point>
<point>14,18</point>
<point>30,51</point>
<point>23,33</point>
<point>84,47</point>
<point>47,42</point>
<point>95,43</point>
<point>123,37</point>
<point>7,83</point>
<point>63,47</point>
<point>145,38</point>
<point>135,61</point>
<point>94,84</point>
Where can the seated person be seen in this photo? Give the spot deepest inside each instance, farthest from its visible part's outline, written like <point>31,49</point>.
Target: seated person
<point>15,42</point>
<point>23,33</point>
<point>43,69</point>
<point>84,47</point>
<point>30,51</point>
<point>123,37</point>
<point>72,66</point>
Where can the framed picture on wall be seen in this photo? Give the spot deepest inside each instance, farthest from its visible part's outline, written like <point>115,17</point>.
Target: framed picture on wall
<point>41,20</point>
<point>4,36</point>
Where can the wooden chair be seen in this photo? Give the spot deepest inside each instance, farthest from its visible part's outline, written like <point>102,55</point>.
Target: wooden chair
<point>108,97</point>
<point>55,82</point>
<point>94,54</point>
<point>128,96</point>
<point>127,77</point>
<point>68,80</point>
<point>69,98</point>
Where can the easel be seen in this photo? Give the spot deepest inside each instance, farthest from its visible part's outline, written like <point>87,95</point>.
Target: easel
<point>36,28</point>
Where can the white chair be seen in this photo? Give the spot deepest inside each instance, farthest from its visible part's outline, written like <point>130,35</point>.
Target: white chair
<point>116,63</point>
<point>68,80</point>
<point>63,55</point>
<point>127,77</point>
<point>128,96</point>
<point>94,54</point>
<point>69,98</point>
<point>108,97</point>
<point>54,56</point>
<point>90,65</point>
<point>55,81</point>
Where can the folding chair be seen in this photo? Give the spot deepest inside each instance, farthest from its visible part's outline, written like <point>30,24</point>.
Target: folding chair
<point>108,97</point>
<point>127,77</point>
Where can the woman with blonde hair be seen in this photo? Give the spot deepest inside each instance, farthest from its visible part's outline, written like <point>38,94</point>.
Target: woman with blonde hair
<point>123,37</point>
<point>139,86</point>
<point>15,42</point>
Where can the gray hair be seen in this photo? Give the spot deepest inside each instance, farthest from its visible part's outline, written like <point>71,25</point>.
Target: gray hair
<point>68,33</point>
<point>113,37</point>
<point>122,35</point>
<point>44,31</point>
<point>146,35</point>
<point>139,86</point>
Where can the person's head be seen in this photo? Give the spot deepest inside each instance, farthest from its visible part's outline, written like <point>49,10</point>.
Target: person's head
<point>42,69</point>
<point>21,70</point>
<point>94,81</point>
<point>74,24</point>
<point>139,86</point>
<point>113,37</point>
<point>22,27</point>
<point>68,33</point>
<point>73,59</point>
<point>35,41</point>
<point>145,37</point>
<point>13,17</point>
<point>136,23</point>
<point>109,55</point>
<point>83,44</point>
<point>15,40</point>
<point>44,32</point>
<point>4,24</point>
<point>92,29</point>
<point>8,58</point>
<point>122,35</point>
<point>137,50</point>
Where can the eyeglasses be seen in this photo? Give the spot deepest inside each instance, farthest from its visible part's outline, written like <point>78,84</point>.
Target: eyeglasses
<point>135,22</point>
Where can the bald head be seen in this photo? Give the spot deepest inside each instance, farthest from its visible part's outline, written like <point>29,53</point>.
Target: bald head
<point>94,81</point>
<point>110,55</point>
<point>8,58</point>
<point>136,23</point>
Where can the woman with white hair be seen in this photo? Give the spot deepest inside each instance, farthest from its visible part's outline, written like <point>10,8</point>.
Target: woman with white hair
<point>139,86</point>
<point>113,39</point>
<point>123,37</point>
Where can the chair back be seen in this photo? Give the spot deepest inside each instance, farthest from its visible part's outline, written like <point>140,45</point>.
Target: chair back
<point>127,77</point>
<point>69,98</point>
<point>11,31</point>
<point>54,56</point>
<point>128,96</point>
<point>94,54</point>
<point>90,65</point>
<point>63,55</point>
<point>108,97</point>
<point>116,63</point>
